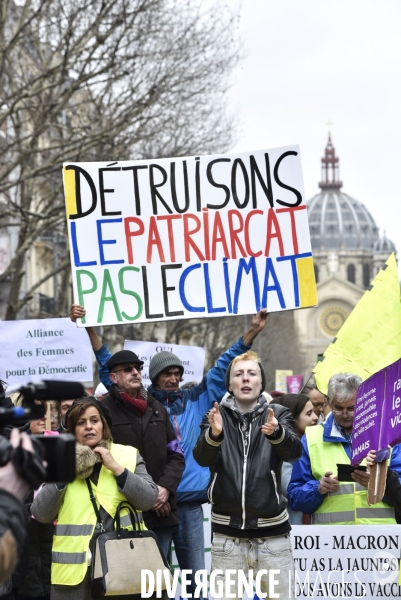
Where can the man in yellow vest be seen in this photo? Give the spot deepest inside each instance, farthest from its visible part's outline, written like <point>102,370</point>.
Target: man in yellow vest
<point>314,487</point>
<point>321,406</point>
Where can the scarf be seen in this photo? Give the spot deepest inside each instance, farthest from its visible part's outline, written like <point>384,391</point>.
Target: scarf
<point>172,401</point>
<point>138,403</point>
<point>86,458</point>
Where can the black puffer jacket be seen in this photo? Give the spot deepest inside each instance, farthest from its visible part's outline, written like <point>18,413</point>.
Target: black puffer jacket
<point>153,436</point>
<point>245,486</point>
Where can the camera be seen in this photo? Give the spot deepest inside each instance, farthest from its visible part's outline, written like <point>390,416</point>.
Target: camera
<point>58,452</point>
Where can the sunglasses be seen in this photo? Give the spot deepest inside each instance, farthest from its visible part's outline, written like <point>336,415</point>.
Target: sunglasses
<point>129,369</point>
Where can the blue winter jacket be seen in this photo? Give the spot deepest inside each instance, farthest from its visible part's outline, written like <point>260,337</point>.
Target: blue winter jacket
<point>186,409</point>
<point>302,492</point>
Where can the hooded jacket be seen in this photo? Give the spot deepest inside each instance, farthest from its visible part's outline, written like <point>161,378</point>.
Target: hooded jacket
<point>245,465</point>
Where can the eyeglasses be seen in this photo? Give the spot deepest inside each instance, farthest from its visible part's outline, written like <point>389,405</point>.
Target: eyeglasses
<point>349,411</point>
<point>129,369</point>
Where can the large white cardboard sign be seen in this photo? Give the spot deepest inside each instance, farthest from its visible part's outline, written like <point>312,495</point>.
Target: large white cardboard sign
<point>361,561</point>
<point>189,237</point>
<point>336,561</point>
<point>192,357</point>
<point>44,349</point>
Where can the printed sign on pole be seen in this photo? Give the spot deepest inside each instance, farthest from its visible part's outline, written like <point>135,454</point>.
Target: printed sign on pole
<point>192,358</point>
<point>281,379</point>
<point>175,238</point>
<point>44,349</point>
<point>294,383</point>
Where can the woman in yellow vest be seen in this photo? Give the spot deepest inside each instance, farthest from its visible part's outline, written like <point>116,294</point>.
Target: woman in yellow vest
<point>115,473</point>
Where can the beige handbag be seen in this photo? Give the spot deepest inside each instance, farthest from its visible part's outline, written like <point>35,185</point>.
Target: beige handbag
<point>120,555</point>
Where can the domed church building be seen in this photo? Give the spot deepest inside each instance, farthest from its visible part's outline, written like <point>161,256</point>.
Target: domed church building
<point>347,252</point>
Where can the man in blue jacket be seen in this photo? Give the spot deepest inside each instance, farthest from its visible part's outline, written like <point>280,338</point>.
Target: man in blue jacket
<point>186,408</point>
<point>314,488</point>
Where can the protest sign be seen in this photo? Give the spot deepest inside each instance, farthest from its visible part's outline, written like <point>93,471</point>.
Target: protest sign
<point>44,349</point>
<point>189,237</point>
<point>192,358</point>
<point>294,383</point>
<point>377,416</point>
<point>337,561</point>
<point>281,379</point>
<point>334,562</point>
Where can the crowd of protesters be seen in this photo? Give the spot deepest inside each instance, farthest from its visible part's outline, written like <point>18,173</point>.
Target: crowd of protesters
<point>263,460</point>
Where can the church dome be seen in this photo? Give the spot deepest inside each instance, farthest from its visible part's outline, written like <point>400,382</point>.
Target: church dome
<point>384,245</point>
<point>336,220</point>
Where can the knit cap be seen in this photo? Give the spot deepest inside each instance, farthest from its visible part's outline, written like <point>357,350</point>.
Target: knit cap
<point>262,372</point>
<point>161,361</point>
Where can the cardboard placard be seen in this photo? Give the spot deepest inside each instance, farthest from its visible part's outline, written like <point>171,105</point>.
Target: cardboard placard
<point>38,349</point>
<point>377,416</point>
<point>174,238</point>
<point>192,358</point>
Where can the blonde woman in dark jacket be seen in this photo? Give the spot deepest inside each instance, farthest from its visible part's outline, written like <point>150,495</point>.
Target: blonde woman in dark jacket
<point>244,442</point>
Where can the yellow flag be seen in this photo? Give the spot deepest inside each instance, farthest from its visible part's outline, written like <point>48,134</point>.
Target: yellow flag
<point>370,338</point>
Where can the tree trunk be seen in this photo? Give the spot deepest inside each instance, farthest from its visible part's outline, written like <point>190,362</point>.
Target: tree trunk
<point>63,293</point>
<point>18,274</point>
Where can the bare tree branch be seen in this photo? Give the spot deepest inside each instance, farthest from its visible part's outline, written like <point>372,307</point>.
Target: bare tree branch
<point>84,80</point>
<point>37,285</point>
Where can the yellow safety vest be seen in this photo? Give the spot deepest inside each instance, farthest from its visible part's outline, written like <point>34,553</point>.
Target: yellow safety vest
<point>77,519</point>
<point>348,505</point>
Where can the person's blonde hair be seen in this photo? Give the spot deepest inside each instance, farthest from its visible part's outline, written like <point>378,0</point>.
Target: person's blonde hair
<point>248,355</point>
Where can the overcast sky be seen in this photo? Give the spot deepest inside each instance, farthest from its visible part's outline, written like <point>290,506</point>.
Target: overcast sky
<point>310,61</point>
